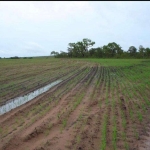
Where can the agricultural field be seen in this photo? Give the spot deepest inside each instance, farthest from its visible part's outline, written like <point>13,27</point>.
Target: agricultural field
<point>100,104</point>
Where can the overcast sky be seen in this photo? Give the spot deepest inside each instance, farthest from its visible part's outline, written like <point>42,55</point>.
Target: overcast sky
<point>37,28</point>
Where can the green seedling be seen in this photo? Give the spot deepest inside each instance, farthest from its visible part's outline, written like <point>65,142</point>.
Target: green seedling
<point>64,123</point>
<point>140,117</point>
<point>78,138</point>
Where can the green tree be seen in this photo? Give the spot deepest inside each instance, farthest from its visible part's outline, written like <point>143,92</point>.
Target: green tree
<point>92,52</point>
<point>96,52</point>
<point>80,49</point>
<point>112,49</point>
<point>141,51</point>
<point>99,52</point>
<point>54,53</point>
<point>147,52</point>
<point>73,50</point>
<point>132,51</point>
<point>87,43</point>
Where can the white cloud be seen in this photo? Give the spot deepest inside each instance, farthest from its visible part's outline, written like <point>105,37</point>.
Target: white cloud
<point>30,27</point>
<point>34,45</point>
<point>32,48</point>
<point>11,12</point>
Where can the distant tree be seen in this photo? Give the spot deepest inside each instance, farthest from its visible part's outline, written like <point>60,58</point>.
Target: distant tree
<point>73,50</point>
<point>112,49</point>
<point>61,54</point>
<point>141,51</point>
<point>92,52</point>
<point>96,52</point>
<point>80,49</point>
<point>87,43</point>
<point>147,52</point>
<point>125,54</point>
<point>132,50</point>
<point>15,57</point>
<point>99,52</point>
<point>54,53</point>
<point>70,51</point>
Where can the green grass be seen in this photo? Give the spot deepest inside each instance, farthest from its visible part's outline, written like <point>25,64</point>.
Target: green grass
<point>114,62</point>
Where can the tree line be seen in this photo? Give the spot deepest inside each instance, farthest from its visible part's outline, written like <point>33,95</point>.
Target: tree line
<point>83,49</point>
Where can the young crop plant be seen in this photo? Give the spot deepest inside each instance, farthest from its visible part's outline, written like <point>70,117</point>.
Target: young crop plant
<point>114,138</point>
<point>140,117</point>
<point>143,107</point>
<point>80,116</point>
<point>80,127</point>
<point>46,132</point>
<point>99,103</point>
<point>1,130</point>
<point>114,129</point>
<point>126,146</point>
<point>124,122</point>
<point>17,120</point>
<point>64,124</point>
<point>137,135</point>
<point>78,139</point>
<point>131,114</point>
<point>104,132</point>
<point>33,120</point>
<point>79,99</point>
<point>50,126</point>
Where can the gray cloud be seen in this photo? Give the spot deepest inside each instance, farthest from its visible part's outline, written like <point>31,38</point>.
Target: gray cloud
<point>37,28</point>
<point>33,46</point>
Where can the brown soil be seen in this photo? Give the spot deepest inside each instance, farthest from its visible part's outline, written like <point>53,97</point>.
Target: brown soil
<point>71,116</point>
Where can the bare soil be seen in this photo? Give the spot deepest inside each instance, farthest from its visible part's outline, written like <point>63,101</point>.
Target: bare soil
<point>71,115</point>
